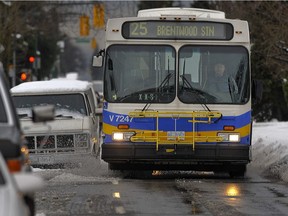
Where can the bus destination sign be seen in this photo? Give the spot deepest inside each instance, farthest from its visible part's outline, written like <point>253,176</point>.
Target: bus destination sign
<point>177,30</point>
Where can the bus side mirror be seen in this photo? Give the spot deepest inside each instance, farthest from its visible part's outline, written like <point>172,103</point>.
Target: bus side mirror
<point>97,61</point>
<point>257,90</point>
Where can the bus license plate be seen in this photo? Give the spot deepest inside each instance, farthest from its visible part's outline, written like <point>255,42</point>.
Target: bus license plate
<point>173,135</point>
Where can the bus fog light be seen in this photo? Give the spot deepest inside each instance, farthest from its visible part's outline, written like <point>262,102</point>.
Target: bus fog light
<point>229,137</point>
<point>117,136</point>
<point>234,138</point>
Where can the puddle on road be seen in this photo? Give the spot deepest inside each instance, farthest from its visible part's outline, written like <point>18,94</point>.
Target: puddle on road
<point>232,191</point>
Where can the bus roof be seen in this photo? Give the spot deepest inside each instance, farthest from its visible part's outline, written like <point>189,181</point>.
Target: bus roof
<point>195,12</point>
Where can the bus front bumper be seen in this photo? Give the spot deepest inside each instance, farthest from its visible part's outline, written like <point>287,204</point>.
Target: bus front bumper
<point>168,157</point>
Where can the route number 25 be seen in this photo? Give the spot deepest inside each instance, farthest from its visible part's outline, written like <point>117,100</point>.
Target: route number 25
<point>138,29</point>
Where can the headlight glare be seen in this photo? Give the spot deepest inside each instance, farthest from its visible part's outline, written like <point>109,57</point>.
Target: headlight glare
<point>230,137</point>
<point>122,136</point>
<point>118,136</point>
<point>234,138</point>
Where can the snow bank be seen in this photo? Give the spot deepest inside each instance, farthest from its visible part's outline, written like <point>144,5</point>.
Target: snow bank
<point>270,149</point>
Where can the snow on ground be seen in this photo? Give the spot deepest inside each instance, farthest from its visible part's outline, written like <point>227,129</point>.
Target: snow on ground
<point>270,149</point>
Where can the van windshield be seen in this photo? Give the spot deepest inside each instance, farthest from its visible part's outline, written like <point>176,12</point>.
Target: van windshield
<point>65,104</point>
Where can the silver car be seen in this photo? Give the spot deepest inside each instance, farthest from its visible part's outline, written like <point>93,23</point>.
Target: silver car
<point>12,188</point>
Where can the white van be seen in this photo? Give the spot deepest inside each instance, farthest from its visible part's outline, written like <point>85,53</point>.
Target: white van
<point>75,130</point>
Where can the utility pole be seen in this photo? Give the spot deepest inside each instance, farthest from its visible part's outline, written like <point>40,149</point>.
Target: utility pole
<point>15,37</point>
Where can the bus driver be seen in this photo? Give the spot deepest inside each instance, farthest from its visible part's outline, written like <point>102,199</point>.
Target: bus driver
<point>219,82</point>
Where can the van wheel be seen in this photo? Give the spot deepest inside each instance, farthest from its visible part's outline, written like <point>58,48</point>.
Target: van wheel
<point>96,150</point>
<point>30,202</point>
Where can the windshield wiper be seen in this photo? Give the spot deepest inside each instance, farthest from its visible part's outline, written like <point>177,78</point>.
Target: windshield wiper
<point>146,107</point>
<point>190,87</point>
<point>165,81</point>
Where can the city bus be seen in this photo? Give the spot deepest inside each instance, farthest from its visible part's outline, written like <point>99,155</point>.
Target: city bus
<point>165,105</point>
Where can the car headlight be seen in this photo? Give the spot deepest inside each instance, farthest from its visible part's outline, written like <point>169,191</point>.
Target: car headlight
<point>122,136</point>
<point>230,137</point>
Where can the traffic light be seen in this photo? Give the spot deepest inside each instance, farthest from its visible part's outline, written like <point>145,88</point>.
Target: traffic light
<point>98,16</point>
<point>84,25</point>
<point>23,76</point>
<point>101,16</point>
<point>93,43</point>
<point>31,59</point>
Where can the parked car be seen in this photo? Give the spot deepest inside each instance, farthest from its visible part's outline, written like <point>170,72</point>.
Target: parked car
<point>12,142</point>
<point>74,132</point>
<point>12,188</point>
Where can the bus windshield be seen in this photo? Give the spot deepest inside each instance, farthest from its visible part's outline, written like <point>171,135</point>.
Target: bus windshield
<point>140,74</point>
<point>213,74</point>
<point>206,74</point>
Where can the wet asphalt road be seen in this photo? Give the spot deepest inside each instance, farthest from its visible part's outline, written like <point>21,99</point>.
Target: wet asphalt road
<point>93,190</point>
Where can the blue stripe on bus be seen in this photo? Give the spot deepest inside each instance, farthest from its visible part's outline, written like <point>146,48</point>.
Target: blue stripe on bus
<point>182,124</point>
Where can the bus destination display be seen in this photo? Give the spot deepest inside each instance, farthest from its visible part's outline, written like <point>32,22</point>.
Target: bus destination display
<point>177,30</point>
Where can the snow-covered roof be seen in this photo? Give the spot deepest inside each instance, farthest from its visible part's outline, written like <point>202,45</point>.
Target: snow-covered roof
<point>52,86</point>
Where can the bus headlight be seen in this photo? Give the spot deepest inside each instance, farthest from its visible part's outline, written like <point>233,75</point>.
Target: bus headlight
<point>122,136</point>
<point>230,137</point>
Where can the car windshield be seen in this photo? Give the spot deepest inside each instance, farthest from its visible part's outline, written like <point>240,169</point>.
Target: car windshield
<point>140,74</point>
<point>65,104</point>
